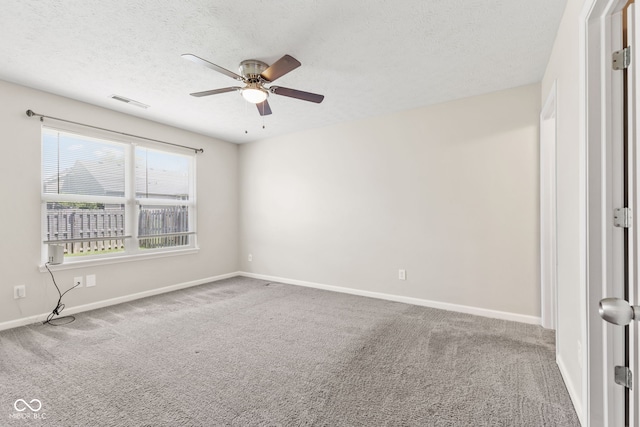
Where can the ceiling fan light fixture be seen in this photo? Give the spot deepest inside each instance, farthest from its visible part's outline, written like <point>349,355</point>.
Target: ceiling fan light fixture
<point>254,94</point>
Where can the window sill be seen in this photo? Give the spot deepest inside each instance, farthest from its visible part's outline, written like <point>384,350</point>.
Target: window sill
<point>70,265</point>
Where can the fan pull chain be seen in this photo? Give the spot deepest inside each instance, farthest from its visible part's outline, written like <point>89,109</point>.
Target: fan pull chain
<point>246,115</point>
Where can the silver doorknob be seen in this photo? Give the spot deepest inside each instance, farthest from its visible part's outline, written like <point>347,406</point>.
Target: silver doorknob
<point>618,311</point>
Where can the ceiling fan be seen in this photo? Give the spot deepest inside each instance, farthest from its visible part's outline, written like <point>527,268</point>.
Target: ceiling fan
<point>255,75</point>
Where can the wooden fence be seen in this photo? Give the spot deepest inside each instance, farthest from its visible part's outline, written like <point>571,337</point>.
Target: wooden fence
<point>166,220</point>
<point>107,225</point>
<point>103,230</point>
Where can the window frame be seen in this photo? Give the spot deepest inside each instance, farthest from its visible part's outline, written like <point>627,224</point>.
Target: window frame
<point>132,250</point>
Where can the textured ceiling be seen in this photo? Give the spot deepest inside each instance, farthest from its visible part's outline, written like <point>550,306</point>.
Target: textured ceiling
<point>367,57</point>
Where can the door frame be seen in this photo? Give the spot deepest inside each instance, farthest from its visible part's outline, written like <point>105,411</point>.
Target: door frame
<point>548,211</point>
<point>597,196</point>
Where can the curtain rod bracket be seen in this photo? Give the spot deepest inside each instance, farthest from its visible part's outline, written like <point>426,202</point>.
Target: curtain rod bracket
<point>30,113</point>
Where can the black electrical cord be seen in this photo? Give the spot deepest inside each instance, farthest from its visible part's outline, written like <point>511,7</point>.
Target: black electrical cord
<point>59,306</point>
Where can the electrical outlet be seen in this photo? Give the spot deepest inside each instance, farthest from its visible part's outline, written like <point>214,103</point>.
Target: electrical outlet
<point>91,280</point>
<point>402,274</point>
<point>250,257</point>
<point>19,292</point>
<point>78,279</point>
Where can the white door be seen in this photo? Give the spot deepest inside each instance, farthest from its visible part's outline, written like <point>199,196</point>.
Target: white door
<point>622,342</point>
<point>633,294</point>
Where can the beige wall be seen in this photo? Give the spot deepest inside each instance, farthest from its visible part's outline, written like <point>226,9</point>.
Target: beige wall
<point>217,197</point>
<point>564,67</point>
<point>448,192</point>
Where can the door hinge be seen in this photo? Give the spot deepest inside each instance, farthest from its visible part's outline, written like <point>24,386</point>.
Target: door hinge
<point>623,376</point>
<point>622,217</point>
<point>622,58</point>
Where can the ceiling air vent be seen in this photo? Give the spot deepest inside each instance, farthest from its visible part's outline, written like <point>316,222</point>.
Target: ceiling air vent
<point>129,101</point>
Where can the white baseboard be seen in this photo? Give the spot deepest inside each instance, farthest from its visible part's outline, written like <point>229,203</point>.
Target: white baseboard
<point>397,298</point>
<point>573,393</point>
<point>113,301</point>
<point>503,315</point>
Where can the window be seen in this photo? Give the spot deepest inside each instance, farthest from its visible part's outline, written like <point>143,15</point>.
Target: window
<point>103,198</point>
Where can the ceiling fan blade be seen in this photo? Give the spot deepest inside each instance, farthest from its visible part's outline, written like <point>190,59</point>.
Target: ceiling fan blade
<point>298,94</point>
<point>281,67</point>
<point>263,108</point>
<point>214,67</point>
<point>215,91</point>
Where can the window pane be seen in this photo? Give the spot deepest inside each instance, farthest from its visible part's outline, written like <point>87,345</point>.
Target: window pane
<point>90,185</point>
<point>78,165</point>
<point>162,223</point>
<point>162,175</point>
<point>100,226</point>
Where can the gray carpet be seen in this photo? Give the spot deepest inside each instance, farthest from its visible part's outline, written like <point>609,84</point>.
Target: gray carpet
<point>244,352</point>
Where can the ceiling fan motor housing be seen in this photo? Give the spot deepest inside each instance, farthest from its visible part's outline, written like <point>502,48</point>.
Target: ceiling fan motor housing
<point>252,68</point>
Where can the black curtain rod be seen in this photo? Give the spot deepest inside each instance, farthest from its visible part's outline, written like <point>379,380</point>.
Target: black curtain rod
<point>31,114</point>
